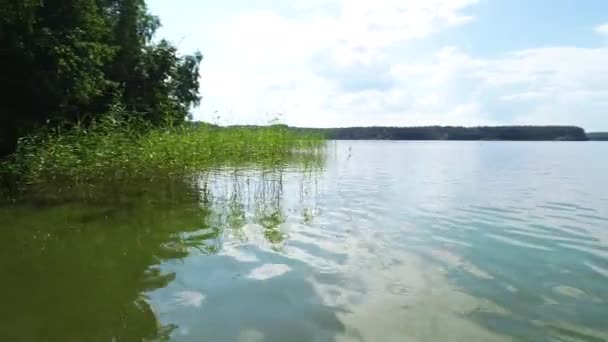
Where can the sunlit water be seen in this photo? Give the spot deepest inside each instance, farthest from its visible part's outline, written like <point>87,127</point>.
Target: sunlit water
<point>389,241</point>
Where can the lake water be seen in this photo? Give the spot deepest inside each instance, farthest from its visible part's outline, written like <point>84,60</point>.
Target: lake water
<point>387,241</point>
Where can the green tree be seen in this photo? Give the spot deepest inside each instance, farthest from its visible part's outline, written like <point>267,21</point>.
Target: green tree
<point>68,60</point>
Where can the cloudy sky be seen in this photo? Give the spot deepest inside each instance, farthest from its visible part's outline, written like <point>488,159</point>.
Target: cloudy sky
<point>324,63</point>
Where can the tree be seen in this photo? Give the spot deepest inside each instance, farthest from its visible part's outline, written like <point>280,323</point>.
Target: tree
<point>68,60</point>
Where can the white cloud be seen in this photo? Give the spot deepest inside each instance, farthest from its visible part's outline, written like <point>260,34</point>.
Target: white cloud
<point>311,67</point>
<point>559,85</point>
<point>375,24</point>
<point>351,66</point>
<point>602,29</point>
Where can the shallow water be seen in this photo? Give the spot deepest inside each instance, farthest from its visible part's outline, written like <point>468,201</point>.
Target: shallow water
<point>390,241</point>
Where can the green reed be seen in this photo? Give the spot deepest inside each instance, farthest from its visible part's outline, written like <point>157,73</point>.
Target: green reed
<point>122,147</point>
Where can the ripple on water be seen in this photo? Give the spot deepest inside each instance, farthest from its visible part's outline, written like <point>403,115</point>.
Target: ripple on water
<point>561,217</point>
<point>602,271</point>
<point>490,216</point>
<point>569,291</point>
<point>410,266</point>
<point>495,210</point>
<point>599,252</point>
<point>318,263</point>
<point>593,217</point>
<point>574,206</point>
<point>561,231</point>
<point>239,254</point>
<point>189,298</point>
<point>558,208</point>
<point>268,271</point>
<point>250,335</point>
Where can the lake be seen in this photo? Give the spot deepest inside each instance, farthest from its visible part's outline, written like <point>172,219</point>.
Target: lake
<point>386,241</point>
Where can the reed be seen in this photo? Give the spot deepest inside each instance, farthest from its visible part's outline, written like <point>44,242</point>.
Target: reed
<point>121,147</point>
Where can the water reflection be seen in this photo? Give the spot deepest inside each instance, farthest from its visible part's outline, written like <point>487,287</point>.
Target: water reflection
<point>390,242</point>
<point>92,270</point>
<point>538,273</point>
<point>80,271</point>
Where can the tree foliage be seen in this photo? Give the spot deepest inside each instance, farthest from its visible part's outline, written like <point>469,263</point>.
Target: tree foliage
<point>70,60</point>
<point>599,136</point>
<point>527,133</point>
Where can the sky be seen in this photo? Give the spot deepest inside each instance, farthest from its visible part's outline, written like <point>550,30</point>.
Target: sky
<point>337,63</point>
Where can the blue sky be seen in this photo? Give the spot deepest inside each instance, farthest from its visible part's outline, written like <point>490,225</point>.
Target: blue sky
<point>323,63</point>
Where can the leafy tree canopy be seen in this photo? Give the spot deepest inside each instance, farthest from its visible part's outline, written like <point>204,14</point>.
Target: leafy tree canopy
<point>71,60</point>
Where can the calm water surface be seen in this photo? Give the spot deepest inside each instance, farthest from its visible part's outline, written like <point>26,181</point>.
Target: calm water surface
<point>389,241</point>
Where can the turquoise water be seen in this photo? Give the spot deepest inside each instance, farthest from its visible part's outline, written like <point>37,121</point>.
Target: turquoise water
<point>388,241</point>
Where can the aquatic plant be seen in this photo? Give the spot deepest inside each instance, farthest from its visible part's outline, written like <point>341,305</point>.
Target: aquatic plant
<point>121,147</point>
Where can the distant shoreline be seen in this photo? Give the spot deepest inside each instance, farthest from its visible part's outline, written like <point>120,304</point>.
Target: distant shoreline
<point>499,133</point>
<point>598,136</point>
<point>446,133</point>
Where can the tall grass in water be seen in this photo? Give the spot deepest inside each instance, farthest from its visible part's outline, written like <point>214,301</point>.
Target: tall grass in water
<point>119,147</point>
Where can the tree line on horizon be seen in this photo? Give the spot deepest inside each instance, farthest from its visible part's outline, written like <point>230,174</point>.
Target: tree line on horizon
<point>71,61</point>
<point>514,133</point>
<point>523,133</point>
<point>598,136</point>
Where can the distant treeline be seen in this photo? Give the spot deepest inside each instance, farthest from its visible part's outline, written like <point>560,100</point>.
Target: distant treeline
<point>603,136</point>
<point>523,133</point>
<point>516,133</point>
